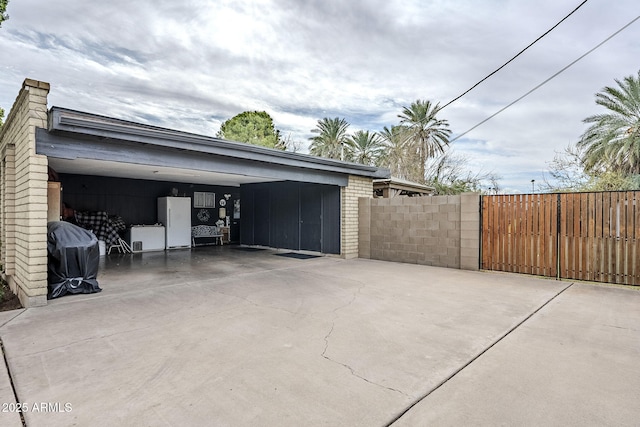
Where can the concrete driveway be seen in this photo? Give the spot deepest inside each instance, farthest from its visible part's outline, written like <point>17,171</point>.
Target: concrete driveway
<point>219,336</point>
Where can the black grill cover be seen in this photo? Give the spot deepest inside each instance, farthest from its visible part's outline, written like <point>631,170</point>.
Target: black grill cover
<point>74,258</point>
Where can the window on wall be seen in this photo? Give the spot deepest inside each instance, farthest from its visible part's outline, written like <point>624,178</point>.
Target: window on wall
<point>203,199</point>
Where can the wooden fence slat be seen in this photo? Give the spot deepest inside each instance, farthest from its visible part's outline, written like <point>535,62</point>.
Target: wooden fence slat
<point>566,219</point>
<point>598,236</point>
<point>606,235</point>
<point>495,209</point>
<point>512,230</point>
<point>518,234</point>
<point>625,210</point>
<point>552,235</point>
<point>636,238</point>
<point>577,213</point>
<point>545,235</point>
<point>484,230</point>
<point>619,229</point>
<point>507,237</point>
<point>526,234</point>
<point>500,233</point>
<point>536,234</point>
<point>584,221</point>
<point>628,238</point>
<point>522,247</point>
<point>487,231</point>
<point>591,241</point>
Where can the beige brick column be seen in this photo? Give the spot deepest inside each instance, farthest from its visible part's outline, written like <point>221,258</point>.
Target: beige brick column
<point>357,187</point>
<point>7,213</point>
<point>364,227</point>
<point>470,231</point>
<point>24,196</point>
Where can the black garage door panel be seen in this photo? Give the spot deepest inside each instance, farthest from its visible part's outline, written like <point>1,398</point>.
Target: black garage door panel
<point>247,212</point>
<point>311,218</point>
<point>331,220</point>
<point>261,217</point>
<point>291,215</point>
<point>284,217</point>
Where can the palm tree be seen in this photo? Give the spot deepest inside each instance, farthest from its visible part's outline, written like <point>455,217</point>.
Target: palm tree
<point>332,135</point>
<point>612,142</point>
<point>428,135</point>
<point>364,147</point>
<point>396,155</point>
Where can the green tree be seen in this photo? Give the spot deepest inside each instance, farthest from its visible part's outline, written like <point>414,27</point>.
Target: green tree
<point>364,147</point>
<point>252,127</point>
<point>3,10</point>
<point>567,174</point>
<point>612,181</point>
<point>612,142</point>
<point>330,139</point>
<point>1,116</point>
<point>428,134</point>
<point>287,144</point>
<point>448,174</point>
<point>396,155</point>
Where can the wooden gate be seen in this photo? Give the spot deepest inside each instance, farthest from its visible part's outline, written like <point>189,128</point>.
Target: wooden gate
<point>585,236</point>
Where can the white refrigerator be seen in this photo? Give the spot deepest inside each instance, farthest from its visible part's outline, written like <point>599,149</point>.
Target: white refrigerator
<point>175,214</point>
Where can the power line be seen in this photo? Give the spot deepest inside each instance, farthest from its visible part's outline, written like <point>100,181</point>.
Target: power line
<point>518,54</point>
<point>547,80</point>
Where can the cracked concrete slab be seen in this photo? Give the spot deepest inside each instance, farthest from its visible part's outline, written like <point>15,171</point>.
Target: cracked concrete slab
<point>574,363</point>
<point>224,337</point>
<point>9,412</point>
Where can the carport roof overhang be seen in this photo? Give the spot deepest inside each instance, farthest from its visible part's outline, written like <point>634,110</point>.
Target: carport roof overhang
<point>83,143</point>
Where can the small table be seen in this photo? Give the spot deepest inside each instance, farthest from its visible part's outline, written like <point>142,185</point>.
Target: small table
<point>225,234</point>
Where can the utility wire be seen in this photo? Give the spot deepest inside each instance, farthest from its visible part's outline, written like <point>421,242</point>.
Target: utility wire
<point>546,81</point>
<point>518,54</point>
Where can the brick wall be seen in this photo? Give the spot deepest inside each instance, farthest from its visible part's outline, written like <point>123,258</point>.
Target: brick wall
<point>23,213</point>
<point>441,231</point>
<point>356,188</point>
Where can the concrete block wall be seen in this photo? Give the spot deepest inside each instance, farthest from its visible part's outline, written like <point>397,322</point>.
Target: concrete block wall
<point>421,230</point>
<point>23,225</point>
<point>470,231</point>
<point>356,188</point>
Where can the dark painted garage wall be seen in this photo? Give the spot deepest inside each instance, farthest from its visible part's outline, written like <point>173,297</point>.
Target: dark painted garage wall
<point>291,215</point>
<point>135,200</point>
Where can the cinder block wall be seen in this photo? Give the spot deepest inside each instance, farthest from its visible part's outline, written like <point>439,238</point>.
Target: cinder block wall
<point>356,188</point>
<point>23,219</point>
<point>470,231</point>
<point>441,231</point>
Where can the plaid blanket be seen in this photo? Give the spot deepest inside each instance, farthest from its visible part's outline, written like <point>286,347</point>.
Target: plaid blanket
<point>118,223</point>
<point>102,226</point>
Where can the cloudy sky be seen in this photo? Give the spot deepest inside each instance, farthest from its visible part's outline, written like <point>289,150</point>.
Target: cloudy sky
<point>192,64</point>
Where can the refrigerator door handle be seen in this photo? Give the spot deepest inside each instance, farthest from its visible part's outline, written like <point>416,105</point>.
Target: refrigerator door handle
<point>169,218</point>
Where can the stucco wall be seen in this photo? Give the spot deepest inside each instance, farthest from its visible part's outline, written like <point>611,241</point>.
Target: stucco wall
<point>441,231</point>
<point>23,218</point>
<point>358,187</point>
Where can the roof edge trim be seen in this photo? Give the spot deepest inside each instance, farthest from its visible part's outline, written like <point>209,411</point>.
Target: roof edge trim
<point>66,120</point>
